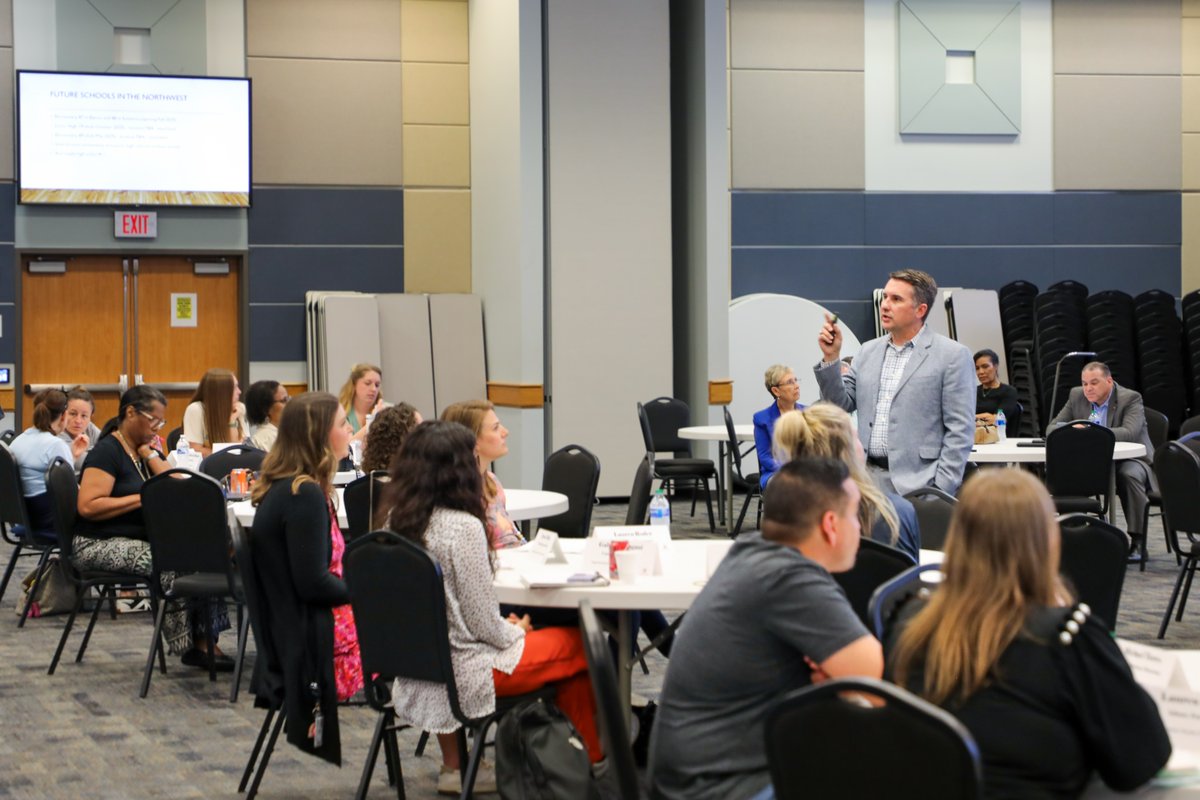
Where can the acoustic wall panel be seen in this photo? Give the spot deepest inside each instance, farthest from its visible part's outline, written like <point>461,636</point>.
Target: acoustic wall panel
<point>437,156</point>
<point>797,130</point>
<point>459,362</point>
<point>1117,132</point>
<point>437,240</point>
<point>436,94</point>
<point>795,34</point>
<point>406,351</point>
<point>1117,37</point>
<point>434,30</point>
<point>348,29</point>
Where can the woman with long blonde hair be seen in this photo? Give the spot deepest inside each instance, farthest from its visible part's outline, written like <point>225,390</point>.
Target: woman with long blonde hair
<point>1037,680</point>
<point>298,560</point>
<point>825,431</point>
<point>215,413</point>
<point>362,396</point>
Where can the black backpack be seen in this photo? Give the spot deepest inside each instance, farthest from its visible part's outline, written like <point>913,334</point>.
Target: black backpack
<point>540,756</point>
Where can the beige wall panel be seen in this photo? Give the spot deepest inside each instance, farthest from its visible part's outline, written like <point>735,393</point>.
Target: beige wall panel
<point>1191,162</point>
<point>437,241</point>
<point>1191,47</point>
<point>434,30</point>
<point>1191,8</point>
<point>437,155</point>
<point>797,130</point>
<point>1191,105</point>
<point>1117,132</point>
<point>1117,37</point>
<point>6,23</point>
<point>796,34</point>
<point>436,94</point>
<point>310,128</point>
<point>6,113</point>
<point>1190,252</point>
<point>359,29</point>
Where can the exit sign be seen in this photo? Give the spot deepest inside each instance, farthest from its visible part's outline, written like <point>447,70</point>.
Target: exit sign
<point>135,224</point>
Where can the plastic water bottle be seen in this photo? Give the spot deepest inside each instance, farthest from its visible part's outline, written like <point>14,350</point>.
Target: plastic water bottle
<point>1001,425</point>
<point>185,458</point>
<point>660,509</point>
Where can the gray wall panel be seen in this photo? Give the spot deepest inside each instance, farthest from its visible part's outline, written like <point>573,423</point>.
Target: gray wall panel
<point>799,218</point>
<point>947,219</point>
<point>796,34</point>
<point>313,215</point>
<point>1117,218</point>
<point>1117,37</point>
<point>284,274</point>
<point>459,367</point>
<point>405,350</point>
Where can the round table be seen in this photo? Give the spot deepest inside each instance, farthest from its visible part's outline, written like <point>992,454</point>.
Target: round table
<point>718,434</point>
<point>1010,451</point>
<point>522,504</point>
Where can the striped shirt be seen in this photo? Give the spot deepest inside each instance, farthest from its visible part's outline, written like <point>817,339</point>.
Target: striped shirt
<point>895,359</point>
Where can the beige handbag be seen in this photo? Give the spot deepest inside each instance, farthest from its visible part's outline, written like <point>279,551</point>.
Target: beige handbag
<point>985,434</point>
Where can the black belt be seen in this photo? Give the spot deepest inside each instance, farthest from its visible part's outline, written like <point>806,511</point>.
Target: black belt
<point>878,461</point>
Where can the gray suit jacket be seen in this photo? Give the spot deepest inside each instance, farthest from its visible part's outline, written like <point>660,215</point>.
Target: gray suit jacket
<point>931,428</point>
<point>1126,416</point>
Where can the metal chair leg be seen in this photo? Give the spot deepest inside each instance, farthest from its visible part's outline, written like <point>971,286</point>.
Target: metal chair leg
<point>468,780</point>
<point>8,571</point>
<point>107,591</point>
<point>262,766</point>
<point>62,641</point>
<point>243,630</point>
<point>1187,589</point>
<point>154,644</point>
<point>1162,629</point>
<point>258,743</point>
<point>372,756</point>
<point>421,742</point>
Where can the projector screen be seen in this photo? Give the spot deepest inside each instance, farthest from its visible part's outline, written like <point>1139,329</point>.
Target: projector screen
<point>90,139</point>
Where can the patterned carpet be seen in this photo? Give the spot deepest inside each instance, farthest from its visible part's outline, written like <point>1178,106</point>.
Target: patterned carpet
<point>84,732</point>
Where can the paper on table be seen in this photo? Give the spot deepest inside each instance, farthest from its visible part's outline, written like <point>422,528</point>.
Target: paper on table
<point>1172,677</point>
<point>556,576</point>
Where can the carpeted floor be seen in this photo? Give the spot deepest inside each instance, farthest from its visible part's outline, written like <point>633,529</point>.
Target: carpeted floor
<point>83,732</point>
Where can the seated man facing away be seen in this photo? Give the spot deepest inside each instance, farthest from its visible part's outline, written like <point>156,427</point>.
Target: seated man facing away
<point>770,620</point>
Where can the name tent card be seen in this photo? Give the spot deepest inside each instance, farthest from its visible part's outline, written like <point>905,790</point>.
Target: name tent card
<point>544,549</point>
<point>652,541</point>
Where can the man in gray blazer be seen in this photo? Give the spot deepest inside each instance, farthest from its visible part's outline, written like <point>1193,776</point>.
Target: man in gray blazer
<point>1120,410</point>
<point>914,391</point>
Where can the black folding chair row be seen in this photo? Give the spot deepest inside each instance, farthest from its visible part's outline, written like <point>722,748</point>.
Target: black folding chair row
<point>1160,355</point>
<point>15,527</point>
<point>240,456</point>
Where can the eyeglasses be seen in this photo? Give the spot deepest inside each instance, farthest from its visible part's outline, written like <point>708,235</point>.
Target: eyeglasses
<point>789,382</point>
<point>155,422</point>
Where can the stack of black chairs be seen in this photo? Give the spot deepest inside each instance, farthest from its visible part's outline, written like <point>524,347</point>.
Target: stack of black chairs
<point>1191,333</point>
<point>1016,323</point>
<point>1110,335</point>
<point>1160,355</point>
<point>1059,328</point>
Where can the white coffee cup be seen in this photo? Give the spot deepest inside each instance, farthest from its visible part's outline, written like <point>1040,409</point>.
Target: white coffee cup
<point>629,565</point>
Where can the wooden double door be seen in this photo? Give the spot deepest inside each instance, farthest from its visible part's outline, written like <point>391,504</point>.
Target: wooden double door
<point>111,322</point>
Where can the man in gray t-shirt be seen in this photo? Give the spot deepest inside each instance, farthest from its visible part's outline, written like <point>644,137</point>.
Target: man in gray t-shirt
<point>770,620</point>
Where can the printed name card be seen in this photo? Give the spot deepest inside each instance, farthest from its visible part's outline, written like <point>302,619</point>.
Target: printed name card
<point>1172,677</point>
<point>653,541</point>
<point>544,549</point>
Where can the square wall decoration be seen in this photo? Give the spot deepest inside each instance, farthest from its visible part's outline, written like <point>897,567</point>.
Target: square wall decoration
<point>959,67</point>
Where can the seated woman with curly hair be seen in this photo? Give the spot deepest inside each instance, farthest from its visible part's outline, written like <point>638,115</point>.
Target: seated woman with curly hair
<point>389,429</point>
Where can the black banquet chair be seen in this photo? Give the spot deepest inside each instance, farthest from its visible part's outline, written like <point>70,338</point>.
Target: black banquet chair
<point>359,499</point>
<point>384,572</point>
<point>574,471</point>
<point>747,483</point>
<point>1094,561</point>
<point>639,495</point>
<point>1079,458</point>
<point>1178,472</point>
<point>240,456</point>
<point>875,565</point>
<point>194,545</point>
<point>1158,426</point>
<point>610,716</point>
<point>15,527</point>
<point>816,736</point>
<point>934,509</point>
<point>63,489</point>
<point>660,420</point>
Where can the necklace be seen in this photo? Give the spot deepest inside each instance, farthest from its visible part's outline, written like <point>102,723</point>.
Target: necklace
<point>137,462</point>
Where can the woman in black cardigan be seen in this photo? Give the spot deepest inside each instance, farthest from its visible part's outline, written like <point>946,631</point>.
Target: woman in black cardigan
<point>292,555</point>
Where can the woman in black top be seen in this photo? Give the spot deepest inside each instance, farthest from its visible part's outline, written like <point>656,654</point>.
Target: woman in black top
<point>991,395</point>
<point>110,533</point>
<point>293,552</point>
<point>1036,679</point>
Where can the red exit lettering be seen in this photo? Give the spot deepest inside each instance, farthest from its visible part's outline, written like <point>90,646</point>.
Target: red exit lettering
<point>134,223</point>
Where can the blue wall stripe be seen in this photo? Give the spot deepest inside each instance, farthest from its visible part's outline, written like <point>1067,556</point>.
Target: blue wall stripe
<point>283,275</point>
<point>1124,218</point>
<point>277,333</point>
<point>798,218</point>
<point>309,215</point>
<point>950,219</point>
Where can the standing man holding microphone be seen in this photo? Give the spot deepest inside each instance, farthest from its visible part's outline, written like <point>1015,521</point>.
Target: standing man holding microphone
<point>913,389</point>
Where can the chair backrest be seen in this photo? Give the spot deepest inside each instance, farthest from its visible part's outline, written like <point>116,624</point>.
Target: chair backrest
<point>240,456</point>
<point>385,572</point>
<point>1177,468</point>
<point>12,497</point>
<point>735,447</point>
<point>610,717</point>
<point>1190,425</point>
<point>647,437</point>
<point>666,416</point>
<point>889,594</point>
<point>934,509</point>
<point>359,498</point>
<point>1079,459</point>
<point>63,489</point>
<point>639,495</point>
<point>173,438</point>
<point>575,472</point>
<point>815,739</point>
<point>876,564</point>
<point>8,436</point>
<point>256,606</point>
<point>1093,561</point>
<point>186,523</point>
<point>1157,425</point>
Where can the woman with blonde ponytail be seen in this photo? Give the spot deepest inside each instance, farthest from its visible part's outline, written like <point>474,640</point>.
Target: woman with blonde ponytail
<point>825,431</point>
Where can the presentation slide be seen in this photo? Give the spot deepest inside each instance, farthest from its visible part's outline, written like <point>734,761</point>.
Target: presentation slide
<point>121,139</point>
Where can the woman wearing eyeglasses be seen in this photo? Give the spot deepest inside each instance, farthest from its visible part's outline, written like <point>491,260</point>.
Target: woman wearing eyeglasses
<point>264,406</point>
<point>784,387</point>
<point>110,533</point>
